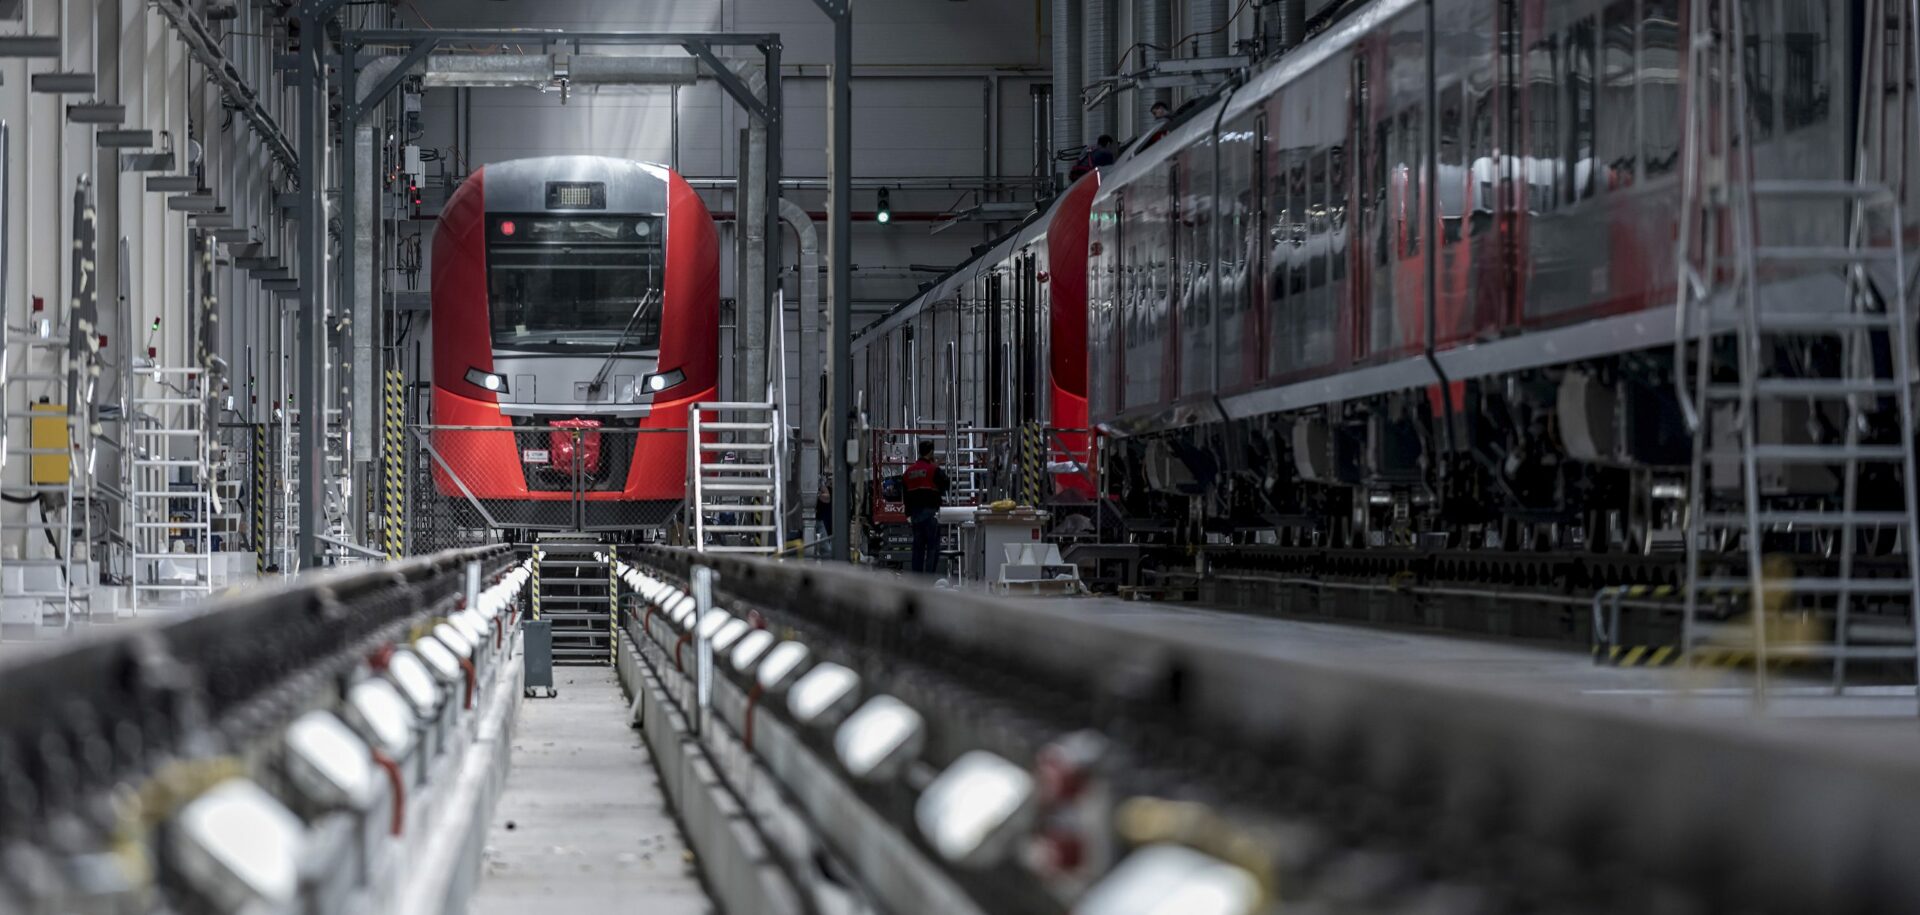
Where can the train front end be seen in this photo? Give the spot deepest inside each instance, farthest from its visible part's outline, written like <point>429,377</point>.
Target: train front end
<point>575,321</point>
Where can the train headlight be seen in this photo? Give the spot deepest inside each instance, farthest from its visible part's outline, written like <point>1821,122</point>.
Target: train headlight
<point>660,381</point>
<point>488,380</point>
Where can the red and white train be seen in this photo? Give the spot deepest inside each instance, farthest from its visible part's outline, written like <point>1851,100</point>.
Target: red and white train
<point>575,306</point>
<point>1418,274</point>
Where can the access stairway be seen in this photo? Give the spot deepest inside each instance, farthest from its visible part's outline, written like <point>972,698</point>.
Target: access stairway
<point>573,596</point>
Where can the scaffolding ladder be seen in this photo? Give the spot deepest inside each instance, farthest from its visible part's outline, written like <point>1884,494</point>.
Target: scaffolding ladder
<point>735,478</point>
<point>45,580</point>
<point>1801,378</point>
<point>171,522</point>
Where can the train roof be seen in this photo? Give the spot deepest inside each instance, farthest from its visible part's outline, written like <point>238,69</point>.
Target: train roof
<point>1249,95</point>
<point>1341,30</point>
<point>982,259</point>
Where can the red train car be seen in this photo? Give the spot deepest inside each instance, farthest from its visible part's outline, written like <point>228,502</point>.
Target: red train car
<point>995,345</point>
<point>575,309</point>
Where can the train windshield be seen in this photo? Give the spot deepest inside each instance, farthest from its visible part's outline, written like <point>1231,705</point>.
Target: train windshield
<point>575,284</point>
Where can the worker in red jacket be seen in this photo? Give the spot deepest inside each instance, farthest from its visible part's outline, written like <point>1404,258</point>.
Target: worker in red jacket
<point>926,487</point>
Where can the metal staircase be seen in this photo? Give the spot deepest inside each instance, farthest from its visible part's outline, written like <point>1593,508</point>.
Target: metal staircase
<point>1800,381</point>
<point>571,591</point>
<point>171,526</point>
<point>735,477</point>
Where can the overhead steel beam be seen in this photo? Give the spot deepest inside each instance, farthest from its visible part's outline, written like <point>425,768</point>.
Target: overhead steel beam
<point>206,50</point>
<point>362,107</point>
<point>735,86</point>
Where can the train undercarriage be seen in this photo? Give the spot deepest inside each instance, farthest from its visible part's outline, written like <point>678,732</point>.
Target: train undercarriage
<point>1593,457</point>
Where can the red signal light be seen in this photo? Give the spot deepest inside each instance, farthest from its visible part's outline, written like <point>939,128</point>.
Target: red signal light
<point>506,227</point>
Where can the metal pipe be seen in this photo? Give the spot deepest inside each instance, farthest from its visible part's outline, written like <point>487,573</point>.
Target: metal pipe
<point>1044,167</point>
<point>808,237</point>
<point>498,70</point>
<point>840,245</point>
<point>1151,26</point>
<point>1101,30</point>
<point>1067,76</point>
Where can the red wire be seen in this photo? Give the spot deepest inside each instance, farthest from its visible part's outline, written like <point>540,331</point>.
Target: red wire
<point>399,784</point>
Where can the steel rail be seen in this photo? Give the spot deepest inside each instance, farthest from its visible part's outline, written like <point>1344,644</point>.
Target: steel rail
<point>82,718</point>
<point>1428,778</point>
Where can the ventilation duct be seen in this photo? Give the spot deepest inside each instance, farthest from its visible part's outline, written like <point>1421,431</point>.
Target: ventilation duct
<point>506,70</point>
<point>1150,28</point>
<point>1100,19</point>
<point>1066,80</point>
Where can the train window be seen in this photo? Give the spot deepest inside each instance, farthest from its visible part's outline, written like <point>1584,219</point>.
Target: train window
<point>576,285</point>
<point>1805,87</point>
<point>1616,138</point>
<point>1413,155</point>
<point>1337,209</point>
<point>1278,232</point>
<point>1450,185</point>
<point>1580,86</point>
<point>1317,221</point>
<point>1297,206</point>
<point>1661,111</point>
<point>1480,151</point>
<point>909,403</point>
<point>1543,124</point>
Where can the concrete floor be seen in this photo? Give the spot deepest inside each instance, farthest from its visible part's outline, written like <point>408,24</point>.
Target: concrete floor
<point>582,826</point>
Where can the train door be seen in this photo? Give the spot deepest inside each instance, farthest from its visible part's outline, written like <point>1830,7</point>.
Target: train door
<point>1192,277</point>
<point>1243,182</point>
<point>909,377</point>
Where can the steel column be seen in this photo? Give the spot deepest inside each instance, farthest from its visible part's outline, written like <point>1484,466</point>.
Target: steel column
<point>311,256</point>
<point>840,249</point>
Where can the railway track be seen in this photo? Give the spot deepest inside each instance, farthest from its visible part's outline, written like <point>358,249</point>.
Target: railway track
<point>1325,788</point>
<point>1539,597</point>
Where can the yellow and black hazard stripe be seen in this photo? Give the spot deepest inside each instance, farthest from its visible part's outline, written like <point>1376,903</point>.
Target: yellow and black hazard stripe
<point>1641,591</point>
<point>613,606</point>
<point>1030,463</point>
<point>1637,655</point>
<point>395,443</point>
<point>260,498</point>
